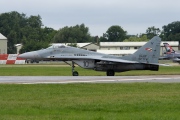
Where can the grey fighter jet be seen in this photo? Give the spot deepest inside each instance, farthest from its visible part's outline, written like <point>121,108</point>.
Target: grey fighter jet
<point>171,54</point>
<point>145,58</point>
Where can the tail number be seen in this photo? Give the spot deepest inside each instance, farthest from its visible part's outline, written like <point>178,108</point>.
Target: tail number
<point>142,57</point>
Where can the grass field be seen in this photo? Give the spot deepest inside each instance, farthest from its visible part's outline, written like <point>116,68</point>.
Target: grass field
<point>122,101</point>
<point>62,70</point>
<point>132,101</point>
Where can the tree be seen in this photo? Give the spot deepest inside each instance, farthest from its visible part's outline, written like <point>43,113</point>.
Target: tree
<point>48,34</point>
<point>33,45</point>
<point>103,38</point>
<point>10,26</point>
<point>35,21</point>
<point>171,32</point>
<point>26,30</point>
<point>114,34</point>
<point>142,38</point>
<point>73,34</point>
<point>152,31</point>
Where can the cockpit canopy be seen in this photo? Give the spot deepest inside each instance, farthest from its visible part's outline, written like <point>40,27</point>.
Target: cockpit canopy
<point>57,46</point>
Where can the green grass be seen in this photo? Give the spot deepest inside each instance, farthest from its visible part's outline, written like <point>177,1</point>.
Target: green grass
<point>122,101</point>
<point>61,70</point>
<point>137,101</point>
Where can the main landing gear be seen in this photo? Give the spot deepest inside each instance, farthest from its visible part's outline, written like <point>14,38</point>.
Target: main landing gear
<point>110,73</point>
<point>74,73</point>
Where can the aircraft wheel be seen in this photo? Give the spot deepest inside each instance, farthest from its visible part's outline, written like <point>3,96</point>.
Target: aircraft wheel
<point>75,73</point>
<point>110,73</point>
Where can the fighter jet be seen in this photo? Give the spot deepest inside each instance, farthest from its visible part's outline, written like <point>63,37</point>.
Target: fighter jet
<point>171,54</point>
<point>145,58</point>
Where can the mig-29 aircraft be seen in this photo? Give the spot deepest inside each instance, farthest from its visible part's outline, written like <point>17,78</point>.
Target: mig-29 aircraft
<point>145,58</point>
<point>171,54</point>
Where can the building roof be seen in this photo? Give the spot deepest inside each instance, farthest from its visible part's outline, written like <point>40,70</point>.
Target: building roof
<point>113,44</point>
<point>82,44</point>
<point>2,37</point>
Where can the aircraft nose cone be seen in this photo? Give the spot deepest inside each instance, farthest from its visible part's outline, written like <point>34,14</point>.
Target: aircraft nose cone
<point>24,55</point>
<point>29,55</point>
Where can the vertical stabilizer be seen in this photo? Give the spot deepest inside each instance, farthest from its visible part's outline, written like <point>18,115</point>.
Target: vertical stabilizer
<point>148,53</point>
<point>168,48</point>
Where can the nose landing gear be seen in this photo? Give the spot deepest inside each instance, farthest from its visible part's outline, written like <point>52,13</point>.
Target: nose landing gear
<point>74,73</point>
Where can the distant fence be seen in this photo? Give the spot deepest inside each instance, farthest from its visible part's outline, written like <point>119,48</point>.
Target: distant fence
<point>11,59</point>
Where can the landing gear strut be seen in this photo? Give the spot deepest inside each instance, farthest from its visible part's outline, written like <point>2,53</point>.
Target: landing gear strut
<point>74,73</point>
<point>110,73</point>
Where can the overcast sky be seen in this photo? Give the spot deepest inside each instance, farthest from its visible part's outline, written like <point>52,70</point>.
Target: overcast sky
<point>134,16</point>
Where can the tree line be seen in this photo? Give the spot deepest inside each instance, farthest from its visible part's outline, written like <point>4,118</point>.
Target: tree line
<point>30,31</point>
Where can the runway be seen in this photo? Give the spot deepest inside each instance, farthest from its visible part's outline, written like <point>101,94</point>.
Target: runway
<point>87,79</point>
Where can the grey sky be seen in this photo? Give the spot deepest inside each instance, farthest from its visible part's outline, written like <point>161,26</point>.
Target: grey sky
<point>134,16</point>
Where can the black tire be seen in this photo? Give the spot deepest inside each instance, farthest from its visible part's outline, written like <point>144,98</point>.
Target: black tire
<point>110,73</point>
<point>75,73</point>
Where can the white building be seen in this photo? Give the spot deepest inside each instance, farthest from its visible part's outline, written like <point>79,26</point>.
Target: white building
<point>125,48</point>
<point>3,44</point>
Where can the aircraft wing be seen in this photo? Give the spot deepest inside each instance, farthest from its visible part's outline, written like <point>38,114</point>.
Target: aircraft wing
<point>163,57</point>
<point>107,59</point>
<point>168,58</point>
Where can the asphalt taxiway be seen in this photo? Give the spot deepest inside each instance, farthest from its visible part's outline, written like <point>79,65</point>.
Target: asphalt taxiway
<point>87,79</point>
